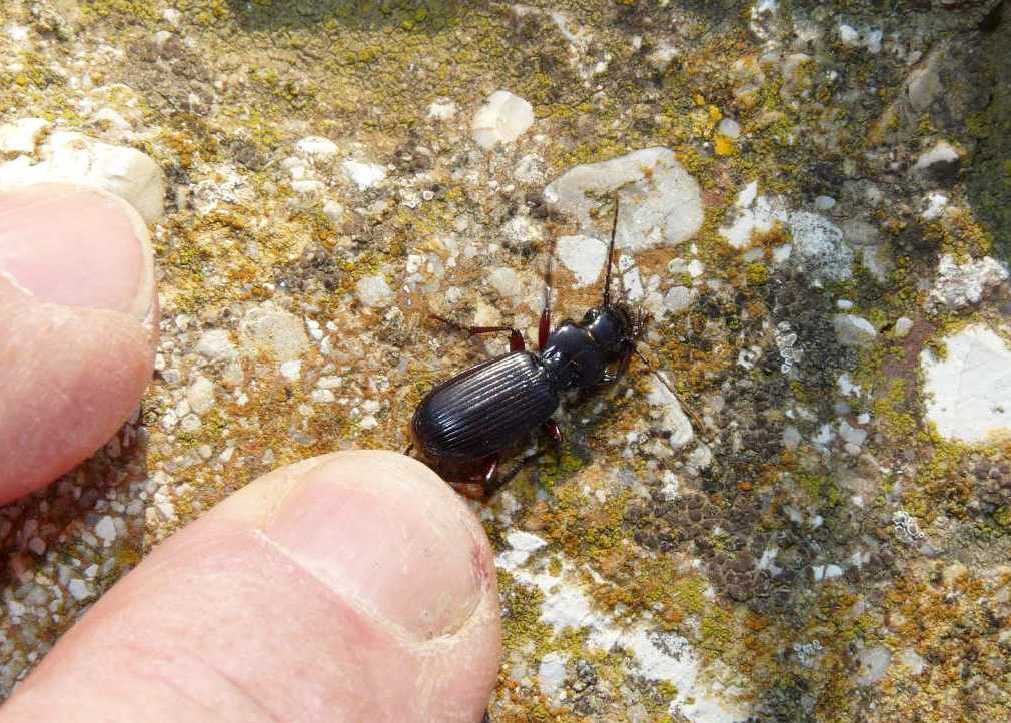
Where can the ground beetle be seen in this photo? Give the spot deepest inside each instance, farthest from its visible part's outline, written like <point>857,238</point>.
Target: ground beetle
<point>466,425</point>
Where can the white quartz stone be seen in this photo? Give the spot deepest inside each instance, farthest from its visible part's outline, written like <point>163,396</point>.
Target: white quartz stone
<point>316,147</point>
<point>969,391</point>
<point>673,418</point>
<point>584,256</point>
<point>502,119</point>
<point>363,175</point>
<point>661,203</point>
<point>374,291</point>
<point>854,330</point>
<point>200,395</point>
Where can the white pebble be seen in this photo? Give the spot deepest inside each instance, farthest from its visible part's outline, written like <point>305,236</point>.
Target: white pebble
<point>730,128</point>
<point>316,147</point>
<point>849,35</point>
<point>374,291</point>
<point>200,395</point>
<point>502,119</point>
<point>853,330</point>
<point>216,345</point>
<point>902,326</point>
<point>333,211</point>
<point>363,175</point>
<point>78,589</point>
<point>106,530</point>
<point>292,370</point>
<point>21,135</point>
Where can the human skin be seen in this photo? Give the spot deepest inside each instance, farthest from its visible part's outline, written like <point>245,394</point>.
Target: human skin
<point>353,586</point>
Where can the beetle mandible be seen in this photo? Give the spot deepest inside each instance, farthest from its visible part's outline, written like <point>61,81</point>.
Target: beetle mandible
<point>465,426</point>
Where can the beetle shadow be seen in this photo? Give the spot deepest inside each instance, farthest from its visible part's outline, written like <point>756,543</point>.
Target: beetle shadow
<point>986,185</point>
<point>425,16</point>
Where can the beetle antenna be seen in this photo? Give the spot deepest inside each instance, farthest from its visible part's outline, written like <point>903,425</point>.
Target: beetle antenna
<point>549,272</point>
<point>660,377</point>
<point>610,255</point>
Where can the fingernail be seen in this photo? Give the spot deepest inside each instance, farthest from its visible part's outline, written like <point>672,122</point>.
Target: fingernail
<point>383,532</point>
<point>77,246</point>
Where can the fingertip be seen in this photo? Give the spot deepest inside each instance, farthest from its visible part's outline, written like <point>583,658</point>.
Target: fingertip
<point>70,377</point>
<point>379,526</point>
<point>77,246</point>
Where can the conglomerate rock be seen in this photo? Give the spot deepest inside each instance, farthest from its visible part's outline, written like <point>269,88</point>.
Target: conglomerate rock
<point>802,518</point>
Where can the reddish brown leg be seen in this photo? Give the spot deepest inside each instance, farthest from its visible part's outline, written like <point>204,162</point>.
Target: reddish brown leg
<point>516,342</point>
<point>545,329</point>
<point>496,482</point>
<point>476,488</point>
<point>551,427</point>
<point>489,473</point>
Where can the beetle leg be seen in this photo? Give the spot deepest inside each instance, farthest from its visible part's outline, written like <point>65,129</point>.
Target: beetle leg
<point>476,488</point>
<point>613,376</point>
<point>551,427</point>
<point>516,342</point>
<point>489,474</point>
<point>545,328</point>
<point>494,485</point>
<point>470,490</point>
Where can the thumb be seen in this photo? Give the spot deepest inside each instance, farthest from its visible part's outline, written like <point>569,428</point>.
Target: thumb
<point>77,308</point>
<point>352,587</point>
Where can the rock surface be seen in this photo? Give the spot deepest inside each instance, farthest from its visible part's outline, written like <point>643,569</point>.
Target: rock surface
<point>812,523</point>
<point>965,284</point>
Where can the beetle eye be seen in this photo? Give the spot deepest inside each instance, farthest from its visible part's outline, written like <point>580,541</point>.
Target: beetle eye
<point>591,316</point>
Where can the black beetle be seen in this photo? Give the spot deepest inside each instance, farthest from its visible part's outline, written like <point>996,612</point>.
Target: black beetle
<point>464,426</point>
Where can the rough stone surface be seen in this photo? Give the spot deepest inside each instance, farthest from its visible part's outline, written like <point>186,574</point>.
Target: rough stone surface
<point>965,284</point>
<point>816,246</point>
<point>799,531</point>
